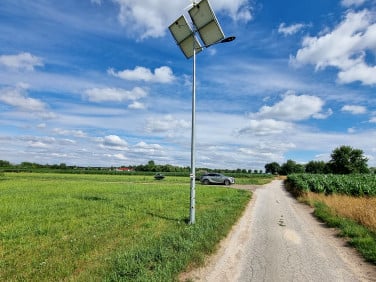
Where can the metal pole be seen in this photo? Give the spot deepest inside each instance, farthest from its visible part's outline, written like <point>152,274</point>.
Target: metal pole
<point>193,166</point>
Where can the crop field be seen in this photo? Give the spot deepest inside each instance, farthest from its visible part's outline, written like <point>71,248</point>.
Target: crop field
<point>354,185</point>
<point>108,227</point>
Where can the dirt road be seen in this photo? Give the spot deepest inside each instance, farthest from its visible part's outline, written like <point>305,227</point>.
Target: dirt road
<point>278,239</point>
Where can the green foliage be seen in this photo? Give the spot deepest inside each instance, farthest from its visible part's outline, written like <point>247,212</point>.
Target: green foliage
<point>346,160</point>
<point>291,167</point>
<point>360,237</point>
<point>80,227</point>
<point>354,185</point>
<point>316,167</point>
<point>273,168</point>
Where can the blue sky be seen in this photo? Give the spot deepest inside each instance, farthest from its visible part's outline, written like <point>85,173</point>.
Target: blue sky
<point>102,83</point>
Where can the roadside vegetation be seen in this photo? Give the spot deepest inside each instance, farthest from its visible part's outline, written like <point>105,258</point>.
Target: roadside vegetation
<point>342,192</point>
<point>347,202</point>
<point>85,227</point>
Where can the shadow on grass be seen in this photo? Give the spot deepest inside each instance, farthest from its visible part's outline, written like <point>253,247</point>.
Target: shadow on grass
<point>186,220</point>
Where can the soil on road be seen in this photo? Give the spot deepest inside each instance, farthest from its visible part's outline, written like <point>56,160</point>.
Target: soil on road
<point>278,239</point>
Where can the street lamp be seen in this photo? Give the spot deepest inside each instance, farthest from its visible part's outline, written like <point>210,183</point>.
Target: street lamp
<point>205,23</point>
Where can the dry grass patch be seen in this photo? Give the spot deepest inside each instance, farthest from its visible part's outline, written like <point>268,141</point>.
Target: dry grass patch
<point>359,209</point>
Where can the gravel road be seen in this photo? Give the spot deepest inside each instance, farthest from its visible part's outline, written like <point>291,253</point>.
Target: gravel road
<point>278,239</point>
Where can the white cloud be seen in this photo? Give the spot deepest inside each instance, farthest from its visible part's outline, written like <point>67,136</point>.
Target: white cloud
<point>239,10</point>
<point>293,108</point>
<point>75,133</point>
<point>149,18</point>
<point>372,120</point>
<point>114,94</point>
<point>18,98</point>
<point>167,123</point>
<point>265,127</point>
<point>22,61</point>
<point>289,30</point>
<point>119,156</point>
<point>348,3</point>
<point>137,106</point>
<point>162,75</point>
<point>344,48</point>
<point>143,147</point>
<point>359,72</point>
<point>355,110</point>
<point>113,142</point>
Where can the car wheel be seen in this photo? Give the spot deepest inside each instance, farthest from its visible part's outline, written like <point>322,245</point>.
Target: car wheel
<point>227,182</point>
<point>206,182</point>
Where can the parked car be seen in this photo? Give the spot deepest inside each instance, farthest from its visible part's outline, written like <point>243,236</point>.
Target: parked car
<point>217,178</point>
<point>159,176</point>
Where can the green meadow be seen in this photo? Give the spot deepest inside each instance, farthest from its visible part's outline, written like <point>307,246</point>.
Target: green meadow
<point>72,227</point>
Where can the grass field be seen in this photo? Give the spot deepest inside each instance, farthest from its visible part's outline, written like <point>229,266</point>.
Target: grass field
<point>108,227</point>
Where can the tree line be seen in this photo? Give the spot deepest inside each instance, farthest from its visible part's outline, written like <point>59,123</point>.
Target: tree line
<point>344,160</point>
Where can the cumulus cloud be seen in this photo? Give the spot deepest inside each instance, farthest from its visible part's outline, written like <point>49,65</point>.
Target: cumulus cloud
<point>167,123</point>
<point>18,98</point>
<point>344,48</point>
<point>113,142</point>
<point>289,30</point>
<point>161,75</point>
<point>355,110</point>
<point>114,94</point>
<point>22,61</point>
<point>293,108</point>
<point>143,147</point>
<point>149,18</point>
<point>265,127</point>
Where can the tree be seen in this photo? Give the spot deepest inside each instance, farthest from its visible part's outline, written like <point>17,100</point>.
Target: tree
<point>316,167</point>
<point>273,168</point>
<point>291,167</point>
<point>4,163</point>
<point>346,160</point>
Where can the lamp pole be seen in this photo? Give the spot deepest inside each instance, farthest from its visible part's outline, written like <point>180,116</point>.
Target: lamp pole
<point>192,211</point>
<point>206,25</point>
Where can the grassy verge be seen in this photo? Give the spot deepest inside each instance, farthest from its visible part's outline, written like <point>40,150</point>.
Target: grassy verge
<point>254,179</point>
<point>355,217</point>
<point>359,236</point>
<point>108,227</point>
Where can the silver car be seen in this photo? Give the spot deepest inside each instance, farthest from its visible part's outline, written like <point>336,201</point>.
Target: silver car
<point>217,178</point>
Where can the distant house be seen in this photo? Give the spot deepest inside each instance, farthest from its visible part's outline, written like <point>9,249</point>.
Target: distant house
<point>124,169</point>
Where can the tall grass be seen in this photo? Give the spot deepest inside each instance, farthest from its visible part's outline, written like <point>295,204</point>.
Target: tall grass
<point>358,236</point>
<point>108,227</point>
<point>359,209</point>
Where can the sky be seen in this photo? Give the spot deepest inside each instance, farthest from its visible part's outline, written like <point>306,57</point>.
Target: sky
<point>103,83</point>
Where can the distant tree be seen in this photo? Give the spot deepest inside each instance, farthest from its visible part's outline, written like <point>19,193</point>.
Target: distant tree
<point>63,166</point>
<point>273,168</point>
<point>4,163</point>
<point>291,167</point>
<point>316,167</point>
<point>151,166</point>
<point>347,160</point>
